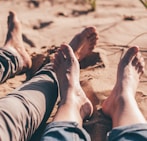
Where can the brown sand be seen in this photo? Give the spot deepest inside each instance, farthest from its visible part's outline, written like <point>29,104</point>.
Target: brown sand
<point>121,24</point>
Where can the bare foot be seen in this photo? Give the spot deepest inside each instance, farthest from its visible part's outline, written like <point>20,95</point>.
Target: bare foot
<point>14,42</point>
<point>129,72</point>
<point>67,69</point>
<point>84,42</point>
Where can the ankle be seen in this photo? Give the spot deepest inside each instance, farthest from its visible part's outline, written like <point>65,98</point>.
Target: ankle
<point>80,104</point>
<point>25,61</point>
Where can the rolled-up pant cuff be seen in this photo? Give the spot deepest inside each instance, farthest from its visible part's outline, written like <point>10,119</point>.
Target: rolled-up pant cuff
<point>65,131</point>
<point>135,132</point>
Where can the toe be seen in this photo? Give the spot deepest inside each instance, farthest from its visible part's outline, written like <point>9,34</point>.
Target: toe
<point>130,55</point>
<point>67,50</point>
<point>89,30</point>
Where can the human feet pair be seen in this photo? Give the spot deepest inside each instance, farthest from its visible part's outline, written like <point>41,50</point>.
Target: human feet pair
<point>82,44</point>
<point>121,105</point>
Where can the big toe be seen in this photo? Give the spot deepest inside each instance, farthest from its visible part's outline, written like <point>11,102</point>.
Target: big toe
<point>130,54</point>
<point>89,30</point>
<point>67,51</point>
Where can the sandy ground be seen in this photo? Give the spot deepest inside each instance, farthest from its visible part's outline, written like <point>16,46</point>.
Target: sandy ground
<point>120,23</point>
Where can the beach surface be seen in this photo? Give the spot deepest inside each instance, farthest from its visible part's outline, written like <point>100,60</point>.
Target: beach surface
<point>46,24</point>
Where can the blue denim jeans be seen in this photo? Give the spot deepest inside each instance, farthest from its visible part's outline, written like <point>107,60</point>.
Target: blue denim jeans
<point>64,131</point>
<point>136,132</point>
<point>69,131</point>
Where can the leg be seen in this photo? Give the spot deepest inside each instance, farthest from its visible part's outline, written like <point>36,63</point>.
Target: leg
<point>28,107</point>
<point>73,100</point>
<point>22,111</point>
<point>13,56</point>
<point>121,105</point>
<point>82,45</point>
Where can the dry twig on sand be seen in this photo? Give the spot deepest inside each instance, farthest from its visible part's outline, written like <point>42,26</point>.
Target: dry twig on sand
<point>144,2</point>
